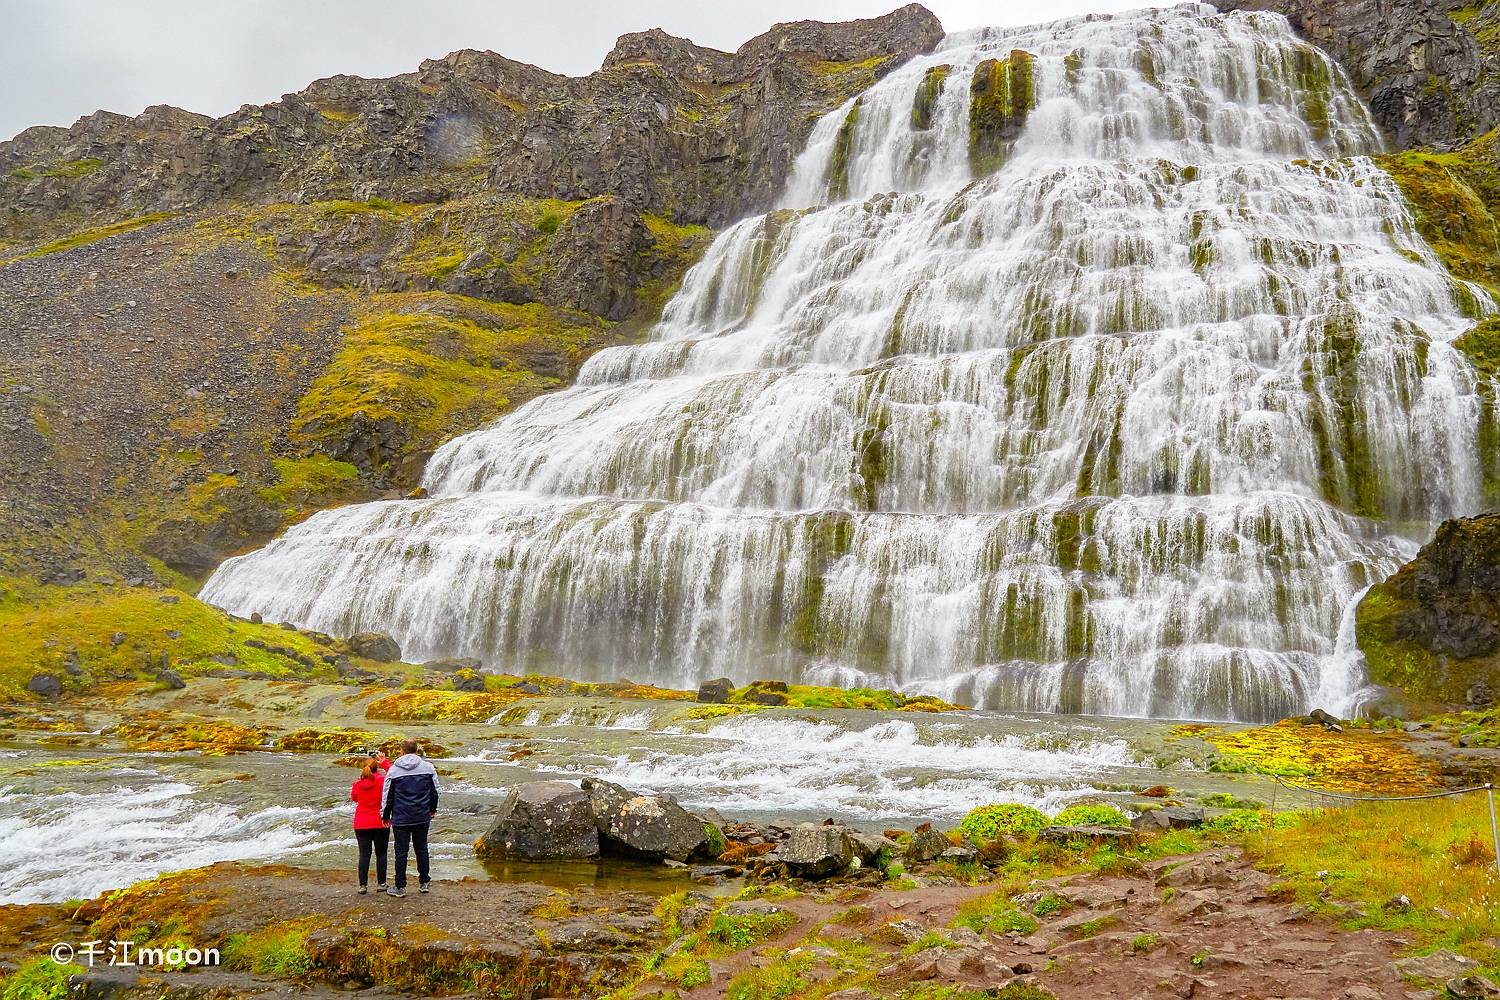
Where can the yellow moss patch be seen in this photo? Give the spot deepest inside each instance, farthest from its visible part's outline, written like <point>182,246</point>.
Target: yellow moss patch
<point>426,705</point>
<point>1354,761</point>
<point>92,235</point>
<point>1455,197</point>
<point>327,741</point>
<point>148,732</point>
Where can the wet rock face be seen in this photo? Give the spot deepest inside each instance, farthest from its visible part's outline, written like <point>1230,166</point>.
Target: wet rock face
<point>666,124</point>
<point>1429,76</point>
<point>643,826</point>
<point>542,821</point>
<point>1433,627</point>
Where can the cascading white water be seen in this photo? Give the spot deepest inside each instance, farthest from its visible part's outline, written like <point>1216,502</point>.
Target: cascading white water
<point>1121,427</point>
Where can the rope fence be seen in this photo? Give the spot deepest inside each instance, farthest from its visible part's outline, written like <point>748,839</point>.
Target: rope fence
<point>1488,789</point>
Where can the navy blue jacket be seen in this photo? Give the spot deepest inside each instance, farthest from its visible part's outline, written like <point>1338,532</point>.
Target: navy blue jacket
<point>410,794</point>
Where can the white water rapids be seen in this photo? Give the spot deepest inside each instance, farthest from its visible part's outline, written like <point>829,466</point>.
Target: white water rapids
<point>1122,427</point>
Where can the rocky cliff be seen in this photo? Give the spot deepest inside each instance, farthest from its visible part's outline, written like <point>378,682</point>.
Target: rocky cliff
<point>1433,628</point>
<point>213,327</point>
<point>1430,68</point>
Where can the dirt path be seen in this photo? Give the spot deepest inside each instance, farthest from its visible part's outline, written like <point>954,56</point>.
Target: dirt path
<point>1203,926</point>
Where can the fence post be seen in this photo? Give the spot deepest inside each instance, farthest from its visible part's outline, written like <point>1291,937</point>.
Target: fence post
<point>1489,792</point>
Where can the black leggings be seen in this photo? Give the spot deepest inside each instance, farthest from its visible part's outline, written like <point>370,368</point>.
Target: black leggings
<point>417,835</point>
<point>372,840</point>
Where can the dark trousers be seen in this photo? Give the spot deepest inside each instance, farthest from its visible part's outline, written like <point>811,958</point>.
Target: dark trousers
<point>416,837</point>
<point>372,841</point>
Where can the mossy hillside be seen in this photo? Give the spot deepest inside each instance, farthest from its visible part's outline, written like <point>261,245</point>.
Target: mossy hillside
<point>84,237</point>
<point>1455,199</point>
<point>417,368</point>
<point>118,631</point>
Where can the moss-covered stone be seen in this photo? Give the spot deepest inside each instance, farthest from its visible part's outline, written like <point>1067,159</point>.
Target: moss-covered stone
<point>838,161</point>
<point>926,97</point>
<point>1432,629</point>
<point>1001,96</point>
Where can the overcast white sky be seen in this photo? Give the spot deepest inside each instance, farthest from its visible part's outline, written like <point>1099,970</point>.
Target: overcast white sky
<point>62,59</point>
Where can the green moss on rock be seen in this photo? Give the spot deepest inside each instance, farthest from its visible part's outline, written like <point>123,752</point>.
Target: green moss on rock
<point>1001,96</point>
<point>927,95</point>
<point>1455,199</point>
<point>838,162</point>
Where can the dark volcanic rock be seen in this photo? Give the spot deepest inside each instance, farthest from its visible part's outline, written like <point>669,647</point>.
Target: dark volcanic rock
<point>667,125</point>
<point>1433,627</point>
<point>375,646</point>
<point>542,821</point>
<point>1429,77</point>
<point>715,692</point>
<point>45,685</point>
<point>643,826</point>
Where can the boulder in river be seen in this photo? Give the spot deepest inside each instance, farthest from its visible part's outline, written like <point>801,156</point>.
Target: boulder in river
<point>715,692</point>
<point>542,821</point>
<point>643,826</point>
<point>375,646</point>
<point>816,850</point>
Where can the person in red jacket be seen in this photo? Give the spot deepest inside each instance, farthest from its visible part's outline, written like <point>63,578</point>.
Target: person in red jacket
<point>370,830</point>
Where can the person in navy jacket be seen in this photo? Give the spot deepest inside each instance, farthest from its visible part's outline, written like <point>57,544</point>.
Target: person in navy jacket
<point>408,802</point>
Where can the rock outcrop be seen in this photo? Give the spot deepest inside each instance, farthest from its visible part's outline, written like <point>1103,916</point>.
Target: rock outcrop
<point>542,821</point>
<point>1431,71</point>
<point>1433,628</point>
<point>290,307</point>
<point>668,126</point>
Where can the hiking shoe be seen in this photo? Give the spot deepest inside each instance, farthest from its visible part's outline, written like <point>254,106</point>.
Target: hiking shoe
<point>363,890</point>
<point>381,887</point>
<point>398,893</point>
<point>423,886</point>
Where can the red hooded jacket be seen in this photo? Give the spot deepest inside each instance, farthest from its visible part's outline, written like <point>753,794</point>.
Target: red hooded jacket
<point>366,796</point>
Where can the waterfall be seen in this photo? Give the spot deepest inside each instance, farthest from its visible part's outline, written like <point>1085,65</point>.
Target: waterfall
<point>1089,367</point>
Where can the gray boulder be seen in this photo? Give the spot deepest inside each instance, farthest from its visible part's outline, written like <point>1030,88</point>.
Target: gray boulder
<point>1168,818</point>
<point>1440,965</point>
<point>653,827</point>
<point>867,846</point>
<point>375,646</point>
<point>542,821</point>
<point>926,845</point>
<point>715,692</point>
<point>816,851</point>
<point>171,680</point>
<point>453,665</point>
<point>45,685</point>
<point>468,680</point>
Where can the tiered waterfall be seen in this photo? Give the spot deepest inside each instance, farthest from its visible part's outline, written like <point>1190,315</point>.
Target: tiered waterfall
<point>1091,367</point>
